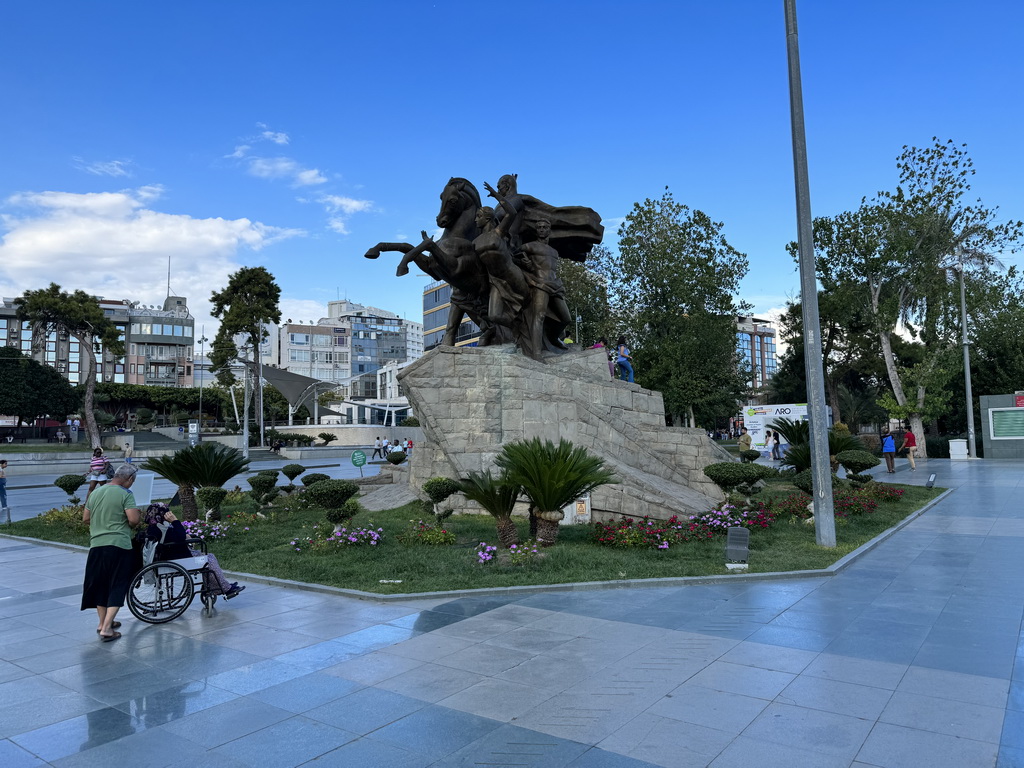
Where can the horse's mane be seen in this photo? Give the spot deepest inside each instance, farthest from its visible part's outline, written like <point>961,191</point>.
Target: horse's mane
<point>469,189</point>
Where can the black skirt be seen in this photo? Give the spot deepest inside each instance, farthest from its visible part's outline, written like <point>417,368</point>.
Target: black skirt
<point>108,574</point>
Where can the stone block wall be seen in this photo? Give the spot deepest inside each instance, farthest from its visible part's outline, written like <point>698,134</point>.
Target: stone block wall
<point>472,400</point>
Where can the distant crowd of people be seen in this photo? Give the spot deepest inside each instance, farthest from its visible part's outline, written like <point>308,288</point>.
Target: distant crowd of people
<point>381,448</point>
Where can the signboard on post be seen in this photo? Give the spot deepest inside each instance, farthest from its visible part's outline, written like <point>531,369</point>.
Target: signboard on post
<point>193,432</point>
<point>359,460</point>
<point>758,418</point>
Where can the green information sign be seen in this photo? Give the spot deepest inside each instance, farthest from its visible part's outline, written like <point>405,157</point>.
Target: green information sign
<point>359,459</point>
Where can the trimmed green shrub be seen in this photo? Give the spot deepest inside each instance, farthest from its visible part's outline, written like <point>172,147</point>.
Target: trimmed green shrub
<point>291,471</point>
<point>728,475</point>
<point>264,488</point>
<point>313,478</point>
<point>805,481</point>
<point>331,494</point>
<point>440,488</point>
<point>859,479</point>
<point>409,421</point>
<point>750,456</point>
<point>210,499</point>
<point>269,473</point>
<point>345,512</point>
<point>70,484</point>
<point>856,461</point>
<point>396,457</point>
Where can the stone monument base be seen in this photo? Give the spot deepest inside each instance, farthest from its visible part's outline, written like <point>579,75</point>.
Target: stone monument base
<point>472,400</point>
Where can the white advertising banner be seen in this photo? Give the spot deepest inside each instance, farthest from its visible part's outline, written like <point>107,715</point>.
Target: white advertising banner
<point>758,418</point>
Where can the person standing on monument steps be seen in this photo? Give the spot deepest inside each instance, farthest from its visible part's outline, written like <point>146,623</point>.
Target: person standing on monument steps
<point>623,359</point>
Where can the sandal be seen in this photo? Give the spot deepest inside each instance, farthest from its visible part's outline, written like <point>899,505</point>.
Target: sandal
<point>114,625</point>
<point>110,638</point>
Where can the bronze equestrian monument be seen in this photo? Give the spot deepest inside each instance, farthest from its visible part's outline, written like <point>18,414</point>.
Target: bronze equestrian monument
<point>522,381</point>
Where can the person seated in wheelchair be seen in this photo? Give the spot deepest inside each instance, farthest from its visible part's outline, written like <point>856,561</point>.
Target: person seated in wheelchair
<point>169,535</point>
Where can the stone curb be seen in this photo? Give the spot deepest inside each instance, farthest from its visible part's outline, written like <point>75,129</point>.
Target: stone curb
<point>579,586</point>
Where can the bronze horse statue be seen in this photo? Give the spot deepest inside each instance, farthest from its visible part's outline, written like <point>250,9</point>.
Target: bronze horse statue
<point>453,259</point>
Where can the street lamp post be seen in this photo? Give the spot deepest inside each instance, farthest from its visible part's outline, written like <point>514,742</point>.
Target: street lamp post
<point>824,512</point>
<point>972,449</point>
<point>197,368</point>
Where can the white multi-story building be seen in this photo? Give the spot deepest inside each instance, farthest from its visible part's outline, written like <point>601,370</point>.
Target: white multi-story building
<point>346,348</point>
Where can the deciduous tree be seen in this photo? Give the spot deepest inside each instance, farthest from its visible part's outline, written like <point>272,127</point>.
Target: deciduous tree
<point>79,315</point>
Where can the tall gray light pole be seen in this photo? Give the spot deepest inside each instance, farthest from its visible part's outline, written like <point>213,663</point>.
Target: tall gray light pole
<point>197,367</point>
<point>972,449</point>
<point>824,512</point>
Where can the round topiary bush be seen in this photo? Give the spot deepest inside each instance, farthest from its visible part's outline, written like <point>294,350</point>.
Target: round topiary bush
<point>396,457</point>
<point>856,462</point>
<point>313,478</point>
<point>331,494</point>
<point>291,471</point>
<point>409,421</point>
<point>269,473</point>
<point>440,488</point>
<point>262,486</point>
<point>210,499</point>
<point>750,456</point>
<point>727,475</point>
<point>70,483</point>
<point>344,513</point>
<point>805,481</point>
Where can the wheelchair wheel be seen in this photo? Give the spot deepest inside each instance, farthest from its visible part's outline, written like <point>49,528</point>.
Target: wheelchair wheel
<point>160,592</point>
<point>208,593</point>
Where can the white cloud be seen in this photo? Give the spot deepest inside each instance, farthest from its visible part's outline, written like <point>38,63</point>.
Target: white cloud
<point>114,244</point>
<point>302,310</point>
<point>240,152</point>
<point>346,205</point>
<point>285,168</point>
<point>104,168</point>
<point>277,137</point>
<point>337,224</point>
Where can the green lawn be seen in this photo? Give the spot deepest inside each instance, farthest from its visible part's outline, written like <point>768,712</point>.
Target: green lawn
<point>262,546</point>
<point>9,448</point>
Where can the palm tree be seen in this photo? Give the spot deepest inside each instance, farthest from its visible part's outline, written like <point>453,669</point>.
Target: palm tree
<point>552,476</point>
<point>498,496</point>
<point>198,466</point>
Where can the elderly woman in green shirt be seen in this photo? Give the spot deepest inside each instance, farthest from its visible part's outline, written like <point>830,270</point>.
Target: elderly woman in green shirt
<point>111,513</point>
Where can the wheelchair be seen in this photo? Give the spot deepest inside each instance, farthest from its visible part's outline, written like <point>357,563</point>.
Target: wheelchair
<point>164,589</point>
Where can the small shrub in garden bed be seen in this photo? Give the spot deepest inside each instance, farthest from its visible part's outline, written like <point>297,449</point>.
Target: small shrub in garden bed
<point>329,540</point>
<point>207,531</point>
<point>69,517</point>
<point>661,534</point>
<point>291,471</point>
<point>883,492</point>
<point>795,505</point>
<point>485,553</point>
<point>313,478</point>
<point>331,494</point>
<point>425,533</point>
<point>518,555</point>
<point>523,554</point>
<point>849,504</point>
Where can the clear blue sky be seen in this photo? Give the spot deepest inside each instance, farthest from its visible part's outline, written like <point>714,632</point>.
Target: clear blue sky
<point>296,135</point>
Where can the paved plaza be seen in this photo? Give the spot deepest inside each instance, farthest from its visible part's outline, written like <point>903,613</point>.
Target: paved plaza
<point>912,656</point>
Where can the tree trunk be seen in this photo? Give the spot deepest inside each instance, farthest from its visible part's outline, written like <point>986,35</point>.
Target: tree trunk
<point>832,392</point>
<point>547,532</point>
<point>189,508</point>
<point>917,427</point>
<point>547,526</point>
<point>87,352</point>
<point>507,532</point>
<point>533,522</point>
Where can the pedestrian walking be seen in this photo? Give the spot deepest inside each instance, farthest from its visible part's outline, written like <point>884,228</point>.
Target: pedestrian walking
<point>910,446</point>
<point>776,446</point>
<point>889,451</point>
<point>3,486</point>
<point>97,471</point>
<point>377,453</point>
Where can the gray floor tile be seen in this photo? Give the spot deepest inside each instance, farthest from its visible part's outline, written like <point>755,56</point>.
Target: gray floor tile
<point>601,758</point>
<point>431,682</point>
<point>13,756</point>
<point>741,679</point>
<point>746,752</point>
<point>835,696</point>
<point>670,743</point>
<point>973,689</point>
<point>227,722</point>
<point>766,656</point>
<point>497,699</point>
<point>1013,730</point>
<point>372,668</point>
<point>286,744</point>
<point>512,746</point>
<point>169,704</point>
<point>429,647</point>
<point>894,746</point>
<point>878,674</point>
<point>68,737</point>
<point>530,641</point>
<point>256,677</point>
<point>485,659</point>
<point>818,731</point>
<point>956,718</point>
<point>436,731</point>
<point>369,753</point>
<point>20,718</point>
<point>151,748</point>
<point>691,703</point>
<point>366,710</point>
<point>305,693</point>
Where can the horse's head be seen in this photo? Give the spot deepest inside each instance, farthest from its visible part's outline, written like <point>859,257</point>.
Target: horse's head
<point>458,195</point>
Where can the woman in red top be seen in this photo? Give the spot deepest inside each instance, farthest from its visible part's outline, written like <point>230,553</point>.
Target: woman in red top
<point>910,443</point>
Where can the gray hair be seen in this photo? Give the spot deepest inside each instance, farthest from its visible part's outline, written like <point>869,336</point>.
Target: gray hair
<point>125,472</point>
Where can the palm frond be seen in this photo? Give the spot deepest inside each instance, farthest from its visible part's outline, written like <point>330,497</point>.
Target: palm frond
<point>495,494</point>
<point>552,475</point>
